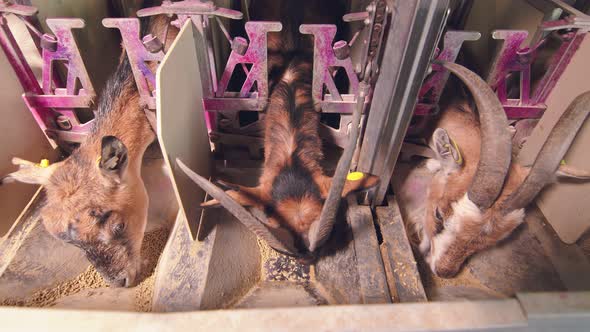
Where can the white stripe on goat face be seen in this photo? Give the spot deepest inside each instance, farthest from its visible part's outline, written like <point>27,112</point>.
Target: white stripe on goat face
<point>464,209</point>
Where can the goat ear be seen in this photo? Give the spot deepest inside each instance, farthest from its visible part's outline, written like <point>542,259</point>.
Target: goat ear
<point>447,150</point>
<point>113,158</point>
<point>30,172</point>
<point>355,181</point>
<point>359,181</point>
<point>569,172</point>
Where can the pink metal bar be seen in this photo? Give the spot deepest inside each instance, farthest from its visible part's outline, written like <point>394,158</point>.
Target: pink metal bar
<point>17,59</point>
<point>49,101</point>
<point>234,104</point>
<point>138,57</point>
<point>324,58</point>
<point>431,89</point>
<point>66,50</point>
<point>570,43</point>
<point>434,85</point>
<point>256,54</point>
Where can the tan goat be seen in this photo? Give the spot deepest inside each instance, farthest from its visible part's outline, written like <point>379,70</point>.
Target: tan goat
<point>96,198</point>
<point>478,195</point>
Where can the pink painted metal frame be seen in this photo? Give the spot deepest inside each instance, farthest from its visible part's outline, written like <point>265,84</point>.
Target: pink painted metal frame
<point>325,58</point>
<point>511,59</point>
<point>431,89</point>
<point>51,105</point>
<point>138,56</point>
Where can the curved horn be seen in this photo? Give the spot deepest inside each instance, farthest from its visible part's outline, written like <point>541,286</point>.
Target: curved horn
<point>549,157</point>
<point>320,230</point>
<point>244,216</point>
<point>496,147</point>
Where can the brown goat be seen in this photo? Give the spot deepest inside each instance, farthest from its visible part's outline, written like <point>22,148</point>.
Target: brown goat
<point>478,195</point>
<point>293,208</point>
<point>292,188</point>
<point>96,198</point>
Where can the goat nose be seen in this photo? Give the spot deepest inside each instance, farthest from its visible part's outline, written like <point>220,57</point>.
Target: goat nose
<point>446,272</point>
<point>119,282</point>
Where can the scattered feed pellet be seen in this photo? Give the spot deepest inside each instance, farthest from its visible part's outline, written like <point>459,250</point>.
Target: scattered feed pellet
<point>152,247</point>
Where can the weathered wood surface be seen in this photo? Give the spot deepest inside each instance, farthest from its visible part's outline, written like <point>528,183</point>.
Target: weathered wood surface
<point>402,271</point>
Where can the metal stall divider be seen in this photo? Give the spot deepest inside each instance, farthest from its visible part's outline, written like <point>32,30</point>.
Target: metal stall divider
<point>192,274</point>
<point>415,29</point>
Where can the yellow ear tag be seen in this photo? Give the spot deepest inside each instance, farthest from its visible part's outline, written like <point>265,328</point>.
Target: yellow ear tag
<point>44,163</point>
<point>355,176</point>
<point>459,159</point>
<point>98,160</point>
<point>562,162</point>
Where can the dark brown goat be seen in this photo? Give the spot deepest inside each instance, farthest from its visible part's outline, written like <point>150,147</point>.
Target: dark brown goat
<point>293,187</point>
<point>294,206</point>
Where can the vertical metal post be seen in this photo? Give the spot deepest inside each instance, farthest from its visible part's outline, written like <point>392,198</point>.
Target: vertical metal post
<point>413,34</point>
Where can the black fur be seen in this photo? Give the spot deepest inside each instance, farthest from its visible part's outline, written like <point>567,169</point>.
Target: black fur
<point>121,78</point>
<point>294,181</point>
<point>102,256</point>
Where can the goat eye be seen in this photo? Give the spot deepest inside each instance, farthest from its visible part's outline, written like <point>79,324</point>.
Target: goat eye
<point>118,229</point>
<point>440,223</point>
<point>104,217</point>
<point>101,217</point>
<point>438,215</point>
<point>64,236</point>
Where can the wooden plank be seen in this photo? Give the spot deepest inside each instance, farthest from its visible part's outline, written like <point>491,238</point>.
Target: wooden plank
<point>403,276</point>
<point>373,284</point>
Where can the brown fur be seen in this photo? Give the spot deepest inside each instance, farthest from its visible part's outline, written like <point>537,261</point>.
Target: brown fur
<point>292,186</point>
<point>103,212</point>
<point>470,232</point>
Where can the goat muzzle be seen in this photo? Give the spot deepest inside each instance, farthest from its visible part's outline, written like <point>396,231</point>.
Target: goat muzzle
<point>284,243</point>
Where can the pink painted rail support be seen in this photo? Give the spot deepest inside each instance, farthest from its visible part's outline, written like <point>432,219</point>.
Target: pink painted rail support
<point>431,89</point>
<point>570,42</point>
<point>139,57</point>
<point>255,53</point>
<point>198,12</point>
<point>514,59</point>
<point>434,85</point>
<point>324,58</point>
<point>52,106</point>
<point>62,47</point>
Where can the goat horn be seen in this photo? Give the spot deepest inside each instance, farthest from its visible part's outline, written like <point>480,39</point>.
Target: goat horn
<point>238,211</point>
<point>320,231</point>
<point>496,147</point>
<point>549,157</point>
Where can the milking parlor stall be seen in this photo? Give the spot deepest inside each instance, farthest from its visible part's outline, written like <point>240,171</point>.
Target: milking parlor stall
<point>295,165</point>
